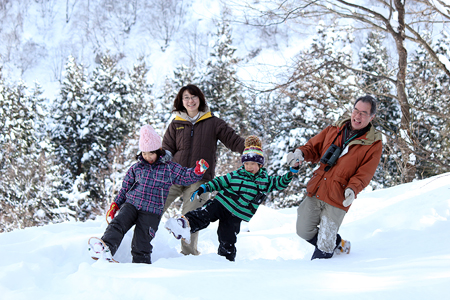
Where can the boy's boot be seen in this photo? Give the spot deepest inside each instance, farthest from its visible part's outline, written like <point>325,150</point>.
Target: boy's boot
<point>179,227</point>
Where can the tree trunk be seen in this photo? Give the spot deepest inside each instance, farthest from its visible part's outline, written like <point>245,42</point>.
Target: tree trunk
<point>405,141</point>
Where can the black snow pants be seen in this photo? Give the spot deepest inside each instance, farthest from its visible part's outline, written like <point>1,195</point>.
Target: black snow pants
<point>229,225</point>
<point>146,226</point>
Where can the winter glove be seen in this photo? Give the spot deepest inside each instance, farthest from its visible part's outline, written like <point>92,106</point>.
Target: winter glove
<point>111,212</point>
<point>201,167</point>
<point>198,192</point>
<point>349,197</point>
<point>295,158</point>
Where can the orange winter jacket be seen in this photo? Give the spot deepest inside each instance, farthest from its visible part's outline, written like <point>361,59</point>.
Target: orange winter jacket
<point>354,169</point>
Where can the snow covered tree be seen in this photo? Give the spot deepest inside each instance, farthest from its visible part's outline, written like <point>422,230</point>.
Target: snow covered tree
<point>222,90</point>
<point>373,80</point>
<point>221,86</point>
<point>26,189</point>
<point>164,19</point>
<point>429,91</point>
<point>69,130</point>
<point>405,22</point>
<point>111,120</point>
<point>316,95</point>
<point>145,111</point>
<point>143,102</point>
<point>94,124</point>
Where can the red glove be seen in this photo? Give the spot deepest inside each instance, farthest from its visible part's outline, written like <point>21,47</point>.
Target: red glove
<point>201,167</point>
<point>112,212</point>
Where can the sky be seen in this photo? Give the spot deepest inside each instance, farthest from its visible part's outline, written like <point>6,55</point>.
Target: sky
<point>400,250</point>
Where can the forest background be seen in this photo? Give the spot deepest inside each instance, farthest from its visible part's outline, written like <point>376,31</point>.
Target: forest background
<point>79,78</point>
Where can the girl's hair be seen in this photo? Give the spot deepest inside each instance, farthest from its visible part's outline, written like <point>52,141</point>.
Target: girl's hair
<point>160,152</point>
<point>193,90</point>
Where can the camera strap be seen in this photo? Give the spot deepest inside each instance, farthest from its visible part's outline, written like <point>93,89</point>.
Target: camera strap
<point>339,133</point>
<point>346,140</point>
<point>358,134</point>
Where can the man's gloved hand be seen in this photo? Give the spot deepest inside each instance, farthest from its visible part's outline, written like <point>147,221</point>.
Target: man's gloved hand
<point>349,197</point>
<point>198,192</point>
<point>201,167</point>
<point>111,212</point>
<point>295,158</point>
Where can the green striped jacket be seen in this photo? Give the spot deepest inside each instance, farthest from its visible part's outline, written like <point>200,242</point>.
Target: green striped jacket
<point>238,188</point>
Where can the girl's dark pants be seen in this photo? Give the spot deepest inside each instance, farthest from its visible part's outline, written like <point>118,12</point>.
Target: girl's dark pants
<point>146,227</point>
<point>229,225</point>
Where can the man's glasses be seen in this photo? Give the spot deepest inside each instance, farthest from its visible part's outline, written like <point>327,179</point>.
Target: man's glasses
<point>362,113</point>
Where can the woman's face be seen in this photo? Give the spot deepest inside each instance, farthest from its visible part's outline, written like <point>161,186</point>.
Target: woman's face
<point>150,157</point>
<point>191,103</point>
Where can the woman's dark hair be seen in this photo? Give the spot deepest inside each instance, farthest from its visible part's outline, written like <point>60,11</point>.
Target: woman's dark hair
<point>160,152</point>
<point>193,90</point>
<point>368,99</point>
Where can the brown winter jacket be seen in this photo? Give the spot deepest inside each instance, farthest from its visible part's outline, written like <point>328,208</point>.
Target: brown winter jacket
<point>189,143</point>
<point>353,170</point>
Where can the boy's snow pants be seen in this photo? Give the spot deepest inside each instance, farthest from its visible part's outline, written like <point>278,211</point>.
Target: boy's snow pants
<point>229,225</point>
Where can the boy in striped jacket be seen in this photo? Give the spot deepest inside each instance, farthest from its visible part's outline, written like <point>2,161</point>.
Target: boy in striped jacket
<point>239,195</point>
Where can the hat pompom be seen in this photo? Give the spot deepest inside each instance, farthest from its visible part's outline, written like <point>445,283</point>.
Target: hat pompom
<point>253,150</point>
<point>252,140</point>
<point>149,140</point>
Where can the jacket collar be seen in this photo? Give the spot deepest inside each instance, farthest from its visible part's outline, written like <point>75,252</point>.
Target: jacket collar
<point>369,138</point>
<point>182,116</point>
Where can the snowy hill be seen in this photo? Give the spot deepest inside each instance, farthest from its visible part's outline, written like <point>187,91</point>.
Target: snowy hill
<point>400,250</point>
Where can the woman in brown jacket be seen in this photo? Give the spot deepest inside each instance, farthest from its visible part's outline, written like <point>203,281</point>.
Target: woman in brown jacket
<point>349,153</point>
<point>193,135</point>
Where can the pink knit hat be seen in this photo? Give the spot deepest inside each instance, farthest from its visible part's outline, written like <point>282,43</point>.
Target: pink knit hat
<point>149,140</point>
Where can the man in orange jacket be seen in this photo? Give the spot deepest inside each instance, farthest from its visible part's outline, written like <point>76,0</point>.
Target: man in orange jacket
<point>349,153</point>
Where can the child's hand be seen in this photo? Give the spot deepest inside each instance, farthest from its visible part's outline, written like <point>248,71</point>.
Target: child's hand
<point>294,170</point>
<point>198,192</point>
<point>201,167</point>
<point>112,212</point>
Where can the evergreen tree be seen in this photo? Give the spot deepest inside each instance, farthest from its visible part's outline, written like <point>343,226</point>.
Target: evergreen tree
<point>70,133</point>
<point>221,86</point>
<point>429,91</point>
<point>320,91</point>
<point>26,191</point>
<point>145,111</point>
<point>144,108</point>
<point>111,121</point>
<point>374,59</point>
<point>223,93</point>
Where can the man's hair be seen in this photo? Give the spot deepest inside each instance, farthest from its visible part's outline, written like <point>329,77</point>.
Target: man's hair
<point>368,99</point>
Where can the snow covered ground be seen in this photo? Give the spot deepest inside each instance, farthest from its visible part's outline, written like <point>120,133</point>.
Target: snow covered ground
<point>400,250</point>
